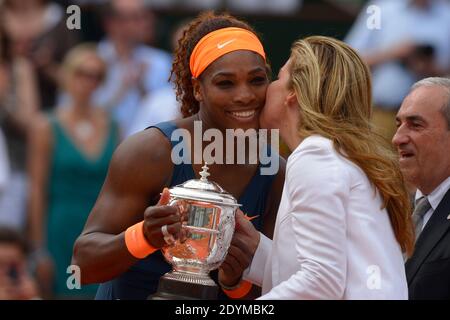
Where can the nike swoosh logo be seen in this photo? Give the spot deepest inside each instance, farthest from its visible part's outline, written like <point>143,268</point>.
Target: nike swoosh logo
<point>221,45</point>
<point>250,218</point>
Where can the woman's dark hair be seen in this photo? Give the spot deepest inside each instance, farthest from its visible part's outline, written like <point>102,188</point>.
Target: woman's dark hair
<point>196,30</point>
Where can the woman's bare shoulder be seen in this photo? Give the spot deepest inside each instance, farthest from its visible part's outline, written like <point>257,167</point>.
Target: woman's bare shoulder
<point>141,162</point>
<point>143,149</point>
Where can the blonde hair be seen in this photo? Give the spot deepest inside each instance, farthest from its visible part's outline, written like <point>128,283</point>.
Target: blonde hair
<point>75,57</point>
<point>333,89</point>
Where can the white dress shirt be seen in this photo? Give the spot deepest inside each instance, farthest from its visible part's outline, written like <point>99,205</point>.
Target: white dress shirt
<point>331,239</point>
<point>435,197</point>
<point>158,64</point>
<point>156,107</point>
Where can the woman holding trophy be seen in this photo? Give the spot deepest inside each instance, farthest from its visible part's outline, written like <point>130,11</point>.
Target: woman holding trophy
<point>344,216</point>
<point>221,77</point>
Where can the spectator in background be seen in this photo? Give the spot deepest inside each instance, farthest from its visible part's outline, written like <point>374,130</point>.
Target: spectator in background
<point>146,32</point>
<point>18,104</point>
<point>413,41</point>
<point>15,281</point>
<point>196,5</point>
<point>71,150</point>
<point>4,165</point>
<point>38,31</point>
<point>160,105</point>
<point>134,69</point>
<point>279,7</point>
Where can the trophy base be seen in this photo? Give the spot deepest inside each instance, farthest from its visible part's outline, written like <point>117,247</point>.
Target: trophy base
<point>179,286</point>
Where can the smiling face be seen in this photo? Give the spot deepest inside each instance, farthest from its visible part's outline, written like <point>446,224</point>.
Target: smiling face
<point>423,138</point>
<point>232,91</point>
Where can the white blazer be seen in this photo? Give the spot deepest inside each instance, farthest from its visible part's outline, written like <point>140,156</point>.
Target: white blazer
<point>331,239</point>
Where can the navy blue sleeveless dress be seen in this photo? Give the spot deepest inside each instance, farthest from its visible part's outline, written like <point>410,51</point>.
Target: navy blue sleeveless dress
<point>141,280</point>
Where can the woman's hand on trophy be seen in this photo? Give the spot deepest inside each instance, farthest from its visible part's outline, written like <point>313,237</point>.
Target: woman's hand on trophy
<point>163,222</point>
<point>183,210</point>
<point>240,254</point>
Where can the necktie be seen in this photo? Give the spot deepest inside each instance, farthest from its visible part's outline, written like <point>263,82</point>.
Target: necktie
<point>422,206</point>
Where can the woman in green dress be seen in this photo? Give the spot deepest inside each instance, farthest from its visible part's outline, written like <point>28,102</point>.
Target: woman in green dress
<point>69,158</point>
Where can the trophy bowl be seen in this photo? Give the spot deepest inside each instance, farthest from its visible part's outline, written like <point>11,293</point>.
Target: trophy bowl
<point>206,237</point>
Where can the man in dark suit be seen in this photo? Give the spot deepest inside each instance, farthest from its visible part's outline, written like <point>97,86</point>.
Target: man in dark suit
<point>423,144</point>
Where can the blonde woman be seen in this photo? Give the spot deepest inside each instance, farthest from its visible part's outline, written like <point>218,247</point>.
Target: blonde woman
<point>70,154</point>
<point>343,220</point>
<point>19,102</point>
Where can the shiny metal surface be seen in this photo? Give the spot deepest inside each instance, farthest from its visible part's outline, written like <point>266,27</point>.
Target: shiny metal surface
<point>207,233</point>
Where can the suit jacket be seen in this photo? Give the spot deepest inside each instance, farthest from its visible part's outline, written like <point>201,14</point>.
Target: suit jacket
<point>332,240</point>
<point>428,270</point>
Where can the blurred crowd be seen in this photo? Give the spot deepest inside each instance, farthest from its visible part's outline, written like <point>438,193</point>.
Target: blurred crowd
<point>65,104</point>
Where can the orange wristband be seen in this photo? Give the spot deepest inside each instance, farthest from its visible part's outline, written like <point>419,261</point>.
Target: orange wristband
<point>242,290</point>
<point>136,243</point>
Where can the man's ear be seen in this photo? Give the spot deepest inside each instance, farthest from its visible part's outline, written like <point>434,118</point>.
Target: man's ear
<point>197,89</point>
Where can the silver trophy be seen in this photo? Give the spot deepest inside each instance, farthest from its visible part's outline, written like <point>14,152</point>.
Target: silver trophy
<point>206,237</point>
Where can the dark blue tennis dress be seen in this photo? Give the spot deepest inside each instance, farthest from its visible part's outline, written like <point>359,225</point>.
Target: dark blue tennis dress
<point>141,280</point>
